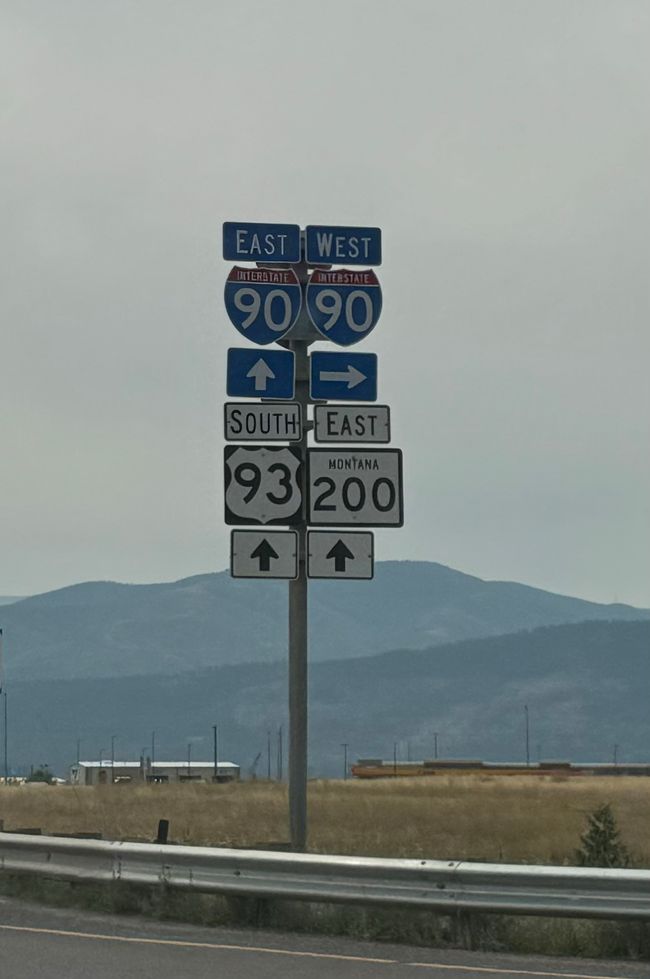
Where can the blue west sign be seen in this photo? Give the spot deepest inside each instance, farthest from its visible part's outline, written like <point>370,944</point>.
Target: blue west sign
<point>330,245</point>
<point>245,242</point>
<point>344,304</point>
<point>253,374</point>
<point>343,377</point>
<point>263,304</point>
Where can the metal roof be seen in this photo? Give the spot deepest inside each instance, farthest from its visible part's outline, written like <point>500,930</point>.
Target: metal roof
<point>107,763</point>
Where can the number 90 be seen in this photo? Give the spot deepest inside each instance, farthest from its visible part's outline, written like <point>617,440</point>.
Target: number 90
<point>249,301</point>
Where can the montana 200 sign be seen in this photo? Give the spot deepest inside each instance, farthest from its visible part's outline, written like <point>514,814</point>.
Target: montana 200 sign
<point>344,304</point>
<point>263,304</point>
<point>355,486</point>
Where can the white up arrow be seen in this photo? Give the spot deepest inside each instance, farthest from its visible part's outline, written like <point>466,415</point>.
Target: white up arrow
<point>351,375</point>
<point>261,372</point>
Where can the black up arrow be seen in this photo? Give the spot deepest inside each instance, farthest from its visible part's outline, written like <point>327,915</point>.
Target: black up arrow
<point>264,552</point>
<point>341,554</point>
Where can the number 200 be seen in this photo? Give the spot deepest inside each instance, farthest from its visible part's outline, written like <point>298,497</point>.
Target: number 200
<point>354,496</point>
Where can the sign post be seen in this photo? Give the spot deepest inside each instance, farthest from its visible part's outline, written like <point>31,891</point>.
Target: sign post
<point>293,298</point>
<point>298,639</point>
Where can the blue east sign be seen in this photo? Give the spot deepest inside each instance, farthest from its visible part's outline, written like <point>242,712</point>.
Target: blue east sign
<point>331,245</point>
<point>263,304</point>
<point>253,374</point>
<point>343,377</point>
<point>245,242</point>
<point>343,304</point>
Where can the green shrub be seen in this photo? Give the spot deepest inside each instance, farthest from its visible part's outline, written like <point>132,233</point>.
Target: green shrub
<point>601,844</point>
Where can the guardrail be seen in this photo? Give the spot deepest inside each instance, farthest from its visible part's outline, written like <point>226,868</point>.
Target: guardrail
<point>442,886</point>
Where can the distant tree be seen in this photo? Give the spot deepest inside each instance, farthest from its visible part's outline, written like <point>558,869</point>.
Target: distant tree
<point>42,774</point>
<point>601,844</point>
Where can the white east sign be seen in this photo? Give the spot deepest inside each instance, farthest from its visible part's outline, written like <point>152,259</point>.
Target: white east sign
<point>352,423</point>
<point>361,487</point>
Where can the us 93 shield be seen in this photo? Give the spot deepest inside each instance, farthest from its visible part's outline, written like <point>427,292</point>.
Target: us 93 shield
<point>263,484</point>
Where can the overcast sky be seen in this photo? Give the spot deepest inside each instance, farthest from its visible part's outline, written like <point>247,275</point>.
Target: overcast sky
<point>504,149</point>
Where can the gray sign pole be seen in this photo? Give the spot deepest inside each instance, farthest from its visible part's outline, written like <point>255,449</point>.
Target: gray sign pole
<point>298,637</point>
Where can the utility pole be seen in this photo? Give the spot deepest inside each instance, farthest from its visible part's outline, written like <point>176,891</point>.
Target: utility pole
<point>6,741</point>
<point>189,758</point>
<point>394,757</point>
<point>345,759</point>
<point>435,744</point>
<point>280,754</point>
<point>113,736</point>
<point>216,751</point>
<point>527,736</point>
<point>153,749</point>
<point>78,750</point>
<point>268,755</point>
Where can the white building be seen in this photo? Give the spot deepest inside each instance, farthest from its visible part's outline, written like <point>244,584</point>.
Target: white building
<point>105,772</point>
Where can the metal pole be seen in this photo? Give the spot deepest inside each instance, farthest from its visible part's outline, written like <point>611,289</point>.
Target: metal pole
<point>268,755</point>
<point>298,636</point>
<point>78,750</point>
<point>153,749</point>
<point>189,758</point>
<point>216,755</point>
<point>394,757</point>
<point>113,736</point>
<point>5,742</point>
<point>527,737</point>
<point>435,744</point>
<point>345,759</point>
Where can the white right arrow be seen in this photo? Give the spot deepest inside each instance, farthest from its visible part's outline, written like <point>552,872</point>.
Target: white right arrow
<point>351,375</point>
<point>262,373</point>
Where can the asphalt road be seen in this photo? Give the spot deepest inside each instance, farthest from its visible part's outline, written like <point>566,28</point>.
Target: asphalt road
<point>53,943</point>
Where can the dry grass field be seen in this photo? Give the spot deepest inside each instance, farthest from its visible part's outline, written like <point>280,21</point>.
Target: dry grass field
<point>516,819</point>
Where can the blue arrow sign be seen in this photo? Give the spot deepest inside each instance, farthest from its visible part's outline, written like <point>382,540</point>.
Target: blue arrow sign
<point>344,304</point>
<point>252,374</point>
<point>327,245</point>
<point>263,304</point>
<point>245,242</point>
<point>343,377</point>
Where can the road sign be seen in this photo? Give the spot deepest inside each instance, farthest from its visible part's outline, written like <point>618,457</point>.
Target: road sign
<point>342,246</point>
<point>352,423</point>
<point>340,554</point>
<point>343,304</point>
<point>343,377</point>
<point>355,486</point>
<point>263,484</point>
<point>263,304</point>
<point>251,374</point>
<point>244,422</point>
<point>264,554</point>
<point>245,242</point>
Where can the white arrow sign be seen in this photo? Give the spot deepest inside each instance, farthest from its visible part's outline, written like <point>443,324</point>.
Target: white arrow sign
<point>261,373</point>
<point>351,375</point>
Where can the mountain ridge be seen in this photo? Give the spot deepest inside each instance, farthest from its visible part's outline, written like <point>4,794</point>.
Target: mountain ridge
<point>117,629</point>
